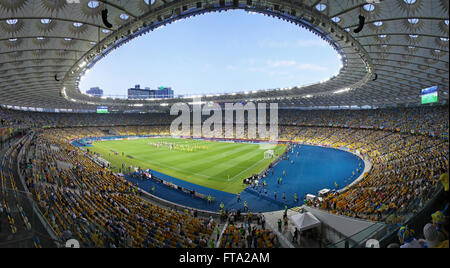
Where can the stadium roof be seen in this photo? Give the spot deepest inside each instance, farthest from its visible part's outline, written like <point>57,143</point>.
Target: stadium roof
<point>47,45</point>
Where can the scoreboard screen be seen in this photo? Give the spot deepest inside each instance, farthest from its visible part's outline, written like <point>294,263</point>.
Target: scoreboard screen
<point>102,110</point>
<point>429,95</point>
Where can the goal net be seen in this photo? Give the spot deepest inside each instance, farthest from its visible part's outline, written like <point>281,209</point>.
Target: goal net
<point>268,154</point>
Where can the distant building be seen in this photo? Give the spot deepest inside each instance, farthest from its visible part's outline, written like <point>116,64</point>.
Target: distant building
<point>95,91</point>
<point>164,93</point>
<point>138,93</point>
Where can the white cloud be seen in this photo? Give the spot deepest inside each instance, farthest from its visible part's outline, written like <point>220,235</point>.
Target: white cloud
<point>249,61</point>
<point>312,67</point>
<point>282,63</point>
<point>297,66</point>
<point>274,44</point>
<point>279,73</point>
<point>256,69</point>
<point>302,43</point>
<point>273,66</point>
<point>310,43</point>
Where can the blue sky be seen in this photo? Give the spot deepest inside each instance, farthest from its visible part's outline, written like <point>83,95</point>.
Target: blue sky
<point>217,53</point>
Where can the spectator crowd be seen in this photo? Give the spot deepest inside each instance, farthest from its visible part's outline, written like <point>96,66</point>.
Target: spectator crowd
<point>80,199</point>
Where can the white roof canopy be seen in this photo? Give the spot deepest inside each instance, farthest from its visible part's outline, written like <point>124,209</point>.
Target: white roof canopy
<point>305,221</point>
<point>46,46</point>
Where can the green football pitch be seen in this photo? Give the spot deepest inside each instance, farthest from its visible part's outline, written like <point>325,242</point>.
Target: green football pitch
<point>217,165</point>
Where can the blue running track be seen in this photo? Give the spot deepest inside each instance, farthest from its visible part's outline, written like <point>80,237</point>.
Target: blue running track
<point>314,169</point>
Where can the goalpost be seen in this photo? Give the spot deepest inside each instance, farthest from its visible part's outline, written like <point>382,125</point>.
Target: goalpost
<point>268,154</point>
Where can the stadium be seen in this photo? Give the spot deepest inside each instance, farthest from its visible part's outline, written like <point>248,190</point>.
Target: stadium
<point>357,160</point>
